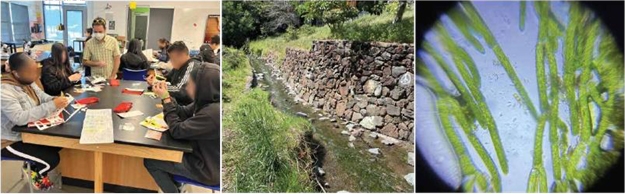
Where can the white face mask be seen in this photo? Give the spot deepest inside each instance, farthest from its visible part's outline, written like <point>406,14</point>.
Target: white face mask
<point>98,36</point>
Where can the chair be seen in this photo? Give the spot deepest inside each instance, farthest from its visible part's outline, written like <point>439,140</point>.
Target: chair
<point>136,75</point>
<point>24,174</point>
<point>58,181</point>
<point>185,180</point>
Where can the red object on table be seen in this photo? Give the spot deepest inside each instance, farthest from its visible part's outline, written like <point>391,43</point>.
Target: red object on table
<point>127,91</point>
<point>44,121</point>
<point>88,100</point>
<point>123,107</point>
<point>114,82</point>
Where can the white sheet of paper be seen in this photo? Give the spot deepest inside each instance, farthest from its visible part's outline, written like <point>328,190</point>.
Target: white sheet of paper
<point>97,127</point>
<point>133,113</point>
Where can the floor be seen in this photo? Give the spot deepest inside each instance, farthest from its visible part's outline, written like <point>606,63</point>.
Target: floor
<point>11,175</point>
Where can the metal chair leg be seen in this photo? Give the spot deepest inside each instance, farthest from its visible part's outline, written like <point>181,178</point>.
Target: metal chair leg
<point>60,180</point>
<point>28,177</point>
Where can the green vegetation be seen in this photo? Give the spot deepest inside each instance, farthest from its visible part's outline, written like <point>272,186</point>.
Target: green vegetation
<point>481,28</point>
<point>461,20</point>
<point>538,180</point>
<point>587,81</point>
<point>236,70</point>
<point>263,150</point>
<point>466,165</point>
<point>472,97</point>
<point>522,16</point>
<point>246,21</point>
<point>364,28</point>
<point>332,13</point>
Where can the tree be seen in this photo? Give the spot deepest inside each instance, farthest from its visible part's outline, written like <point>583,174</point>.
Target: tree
<point>400,11</point>
<point>373,7</point>
<point>280,15</point>
<point>332,13</point>
<point>241,21</point>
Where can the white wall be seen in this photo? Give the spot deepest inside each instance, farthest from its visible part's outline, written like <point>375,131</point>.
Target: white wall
<point>185,14</point>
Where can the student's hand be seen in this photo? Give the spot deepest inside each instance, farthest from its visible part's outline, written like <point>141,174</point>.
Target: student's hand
<point>112,77</point>
<point>150,79</point>
<point>74,77</point>
<point>60,102</point>
<point>160,89</point>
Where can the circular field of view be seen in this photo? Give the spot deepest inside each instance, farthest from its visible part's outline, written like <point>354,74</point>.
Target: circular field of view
<point>519,96</point>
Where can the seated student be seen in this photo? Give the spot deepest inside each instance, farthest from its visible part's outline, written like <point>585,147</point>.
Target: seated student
<point>206,54</point>
<point>88,33</point>
<point>23,102</point>
<point>209,53</point>
<point>134,59</point>
<point>198,123</point>
<point>182,64</point>
<point>57,74</point>
<point>216,46</point>
<point>163,44</point>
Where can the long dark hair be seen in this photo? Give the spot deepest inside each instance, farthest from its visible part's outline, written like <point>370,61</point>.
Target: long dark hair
<point>56,59</point>
<point>134,46</point>
<point>90,31</point>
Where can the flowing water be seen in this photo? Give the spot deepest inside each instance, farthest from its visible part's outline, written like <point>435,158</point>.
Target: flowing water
<point>346,168</point>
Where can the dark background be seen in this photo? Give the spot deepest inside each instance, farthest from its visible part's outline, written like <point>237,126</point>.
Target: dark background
<point>428,12</point>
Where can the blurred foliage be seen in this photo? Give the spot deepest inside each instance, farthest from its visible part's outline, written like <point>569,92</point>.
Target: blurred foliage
<point>332,13</point>
<point>245,21</point>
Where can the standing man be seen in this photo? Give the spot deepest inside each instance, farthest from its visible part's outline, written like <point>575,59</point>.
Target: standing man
<point>102,52</point>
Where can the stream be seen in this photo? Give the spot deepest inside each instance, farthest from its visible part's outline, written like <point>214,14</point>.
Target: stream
<point>346,166</point>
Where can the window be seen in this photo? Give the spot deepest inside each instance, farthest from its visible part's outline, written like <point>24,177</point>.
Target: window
<point>21,24</point>
<point>52,19</point>
<point>15,23</point>
<point>53,16</point>
<point>7,35</point>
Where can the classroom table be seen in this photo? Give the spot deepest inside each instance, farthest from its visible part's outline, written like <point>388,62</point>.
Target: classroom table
<point>126,143</point>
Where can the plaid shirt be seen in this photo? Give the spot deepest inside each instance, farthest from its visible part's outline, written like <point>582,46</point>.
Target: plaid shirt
<point>105,51</point>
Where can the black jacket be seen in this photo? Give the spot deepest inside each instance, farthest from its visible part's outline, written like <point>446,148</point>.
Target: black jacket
<point>199,123</point>
<point>53,82</point>
<point>133,61</point>
<point>178,79</point>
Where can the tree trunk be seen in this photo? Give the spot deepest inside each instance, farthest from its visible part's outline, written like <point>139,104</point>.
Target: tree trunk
<point>400,11</point>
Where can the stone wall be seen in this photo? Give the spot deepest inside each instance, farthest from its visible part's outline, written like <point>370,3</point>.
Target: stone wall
<point>369,83</point>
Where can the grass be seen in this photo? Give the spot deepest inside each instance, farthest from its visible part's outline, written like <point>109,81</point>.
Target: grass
<point>364,28</point>
<point>236,70</point>
<point>262,148</point>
